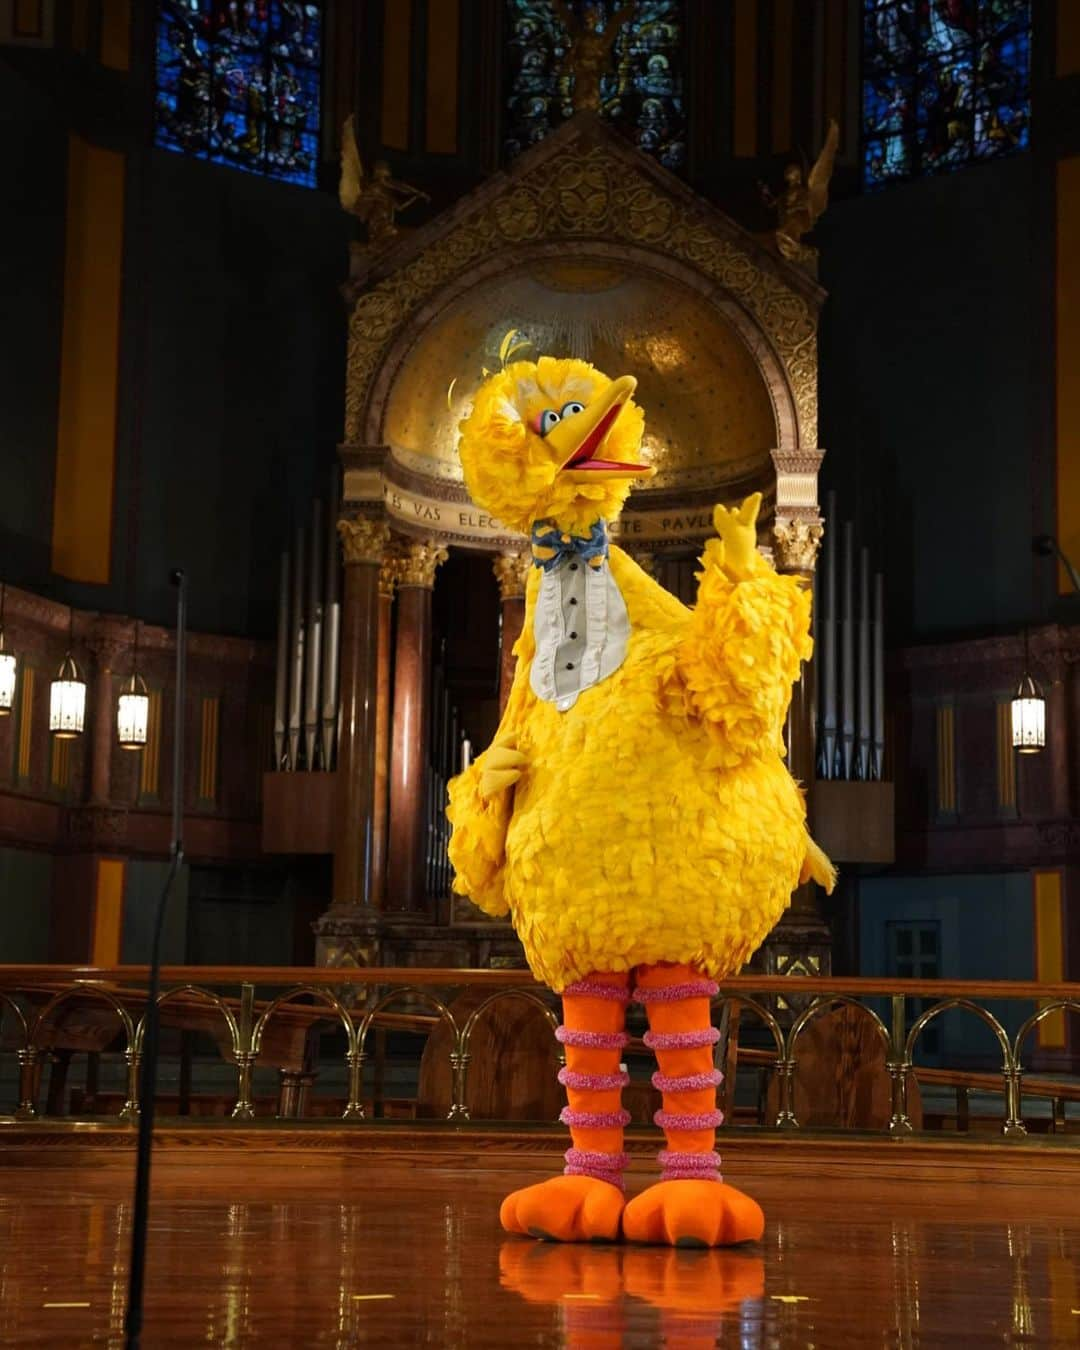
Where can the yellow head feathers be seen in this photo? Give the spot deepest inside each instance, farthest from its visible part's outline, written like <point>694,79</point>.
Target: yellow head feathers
<point>552,440</point>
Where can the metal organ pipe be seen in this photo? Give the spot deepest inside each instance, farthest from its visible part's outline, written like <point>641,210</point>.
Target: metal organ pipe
<point>877,758</point>
<point>331,635</point>
<point>847,654</point>
<point>296,653</point>
<point>827,748</point>
<point>281,666</point>
<point>864,729</point>
<point>313,638</point>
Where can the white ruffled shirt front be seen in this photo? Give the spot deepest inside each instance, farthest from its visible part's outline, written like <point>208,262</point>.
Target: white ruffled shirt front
<point>581,628</point>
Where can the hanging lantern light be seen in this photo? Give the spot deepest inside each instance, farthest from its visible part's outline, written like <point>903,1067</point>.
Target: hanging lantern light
<point>1028,712</point>
<point>133,713</point>
<point>1028,718</point>
<point>67,695</point>
<point>7,666</point>
<point>133,707</point>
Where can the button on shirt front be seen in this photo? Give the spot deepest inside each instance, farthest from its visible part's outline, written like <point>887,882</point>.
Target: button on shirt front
<point>581,628</point>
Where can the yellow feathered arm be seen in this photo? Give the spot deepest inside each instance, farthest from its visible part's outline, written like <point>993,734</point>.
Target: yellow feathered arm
<point>748,634</point>
<point>482,798</point>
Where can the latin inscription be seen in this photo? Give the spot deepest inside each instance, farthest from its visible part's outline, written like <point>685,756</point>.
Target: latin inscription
<point>469,520</point>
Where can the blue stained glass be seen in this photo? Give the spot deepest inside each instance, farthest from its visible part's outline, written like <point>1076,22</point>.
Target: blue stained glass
<point>641,88</point>
<point>945,82</point>
<point>238,83</point>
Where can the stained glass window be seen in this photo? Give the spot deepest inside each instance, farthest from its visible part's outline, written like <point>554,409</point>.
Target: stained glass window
<point>641,88</point>
<point>945,83</point>
<point>238,83</point>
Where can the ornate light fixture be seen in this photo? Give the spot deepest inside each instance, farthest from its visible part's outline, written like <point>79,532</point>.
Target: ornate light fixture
<point>7,666</point>
<point>1028,713</point>
<point>133,707</point>
<point>67,695</point>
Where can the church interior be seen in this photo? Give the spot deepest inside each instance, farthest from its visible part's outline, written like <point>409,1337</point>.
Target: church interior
<point>264,258</point>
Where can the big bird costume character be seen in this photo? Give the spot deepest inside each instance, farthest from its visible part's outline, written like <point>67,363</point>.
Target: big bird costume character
<point>634,814</point>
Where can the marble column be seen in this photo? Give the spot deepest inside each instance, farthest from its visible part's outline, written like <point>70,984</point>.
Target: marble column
<point>107,649</point>
<point>416,566</point>
<point>381,810</point>
<point>347,933</point>
<point>511,572</point>
<point>801,942</point>
<point>795,546</point>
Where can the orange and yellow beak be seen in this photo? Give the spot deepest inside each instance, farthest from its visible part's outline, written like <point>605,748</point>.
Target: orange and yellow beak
<point>579,441</point>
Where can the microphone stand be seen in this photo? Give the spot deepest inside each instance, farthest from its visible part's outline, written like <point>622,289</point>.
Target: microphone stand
<point>148,1081</point>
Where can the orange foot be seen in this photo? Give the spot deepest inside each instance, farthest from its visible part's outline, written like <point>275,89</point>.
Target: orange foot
<point>693,1214</point>
<point>565,1209</point>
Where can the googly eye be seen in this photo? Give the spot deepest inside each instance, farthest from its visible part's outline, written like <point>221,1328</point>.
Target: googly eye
<point>548,418</point>
<point>569,409</point>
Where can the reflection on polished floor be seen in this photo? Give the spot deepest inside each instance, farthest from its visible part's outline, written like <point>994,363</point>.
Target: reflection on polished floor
<point>363,1252</point>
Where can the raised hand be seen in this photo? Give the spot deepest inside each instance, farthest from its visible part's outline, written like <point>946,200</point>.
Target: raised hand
<point>503,766</point>
<point>738,530</point>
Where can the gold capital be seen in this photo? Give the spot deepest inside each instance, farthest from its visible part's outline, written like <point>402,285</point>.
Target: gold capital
<point>388,574</point>
<point>797,542</point>
<point>363,539</point>
<point>417,562</point>
<point>511,572</point>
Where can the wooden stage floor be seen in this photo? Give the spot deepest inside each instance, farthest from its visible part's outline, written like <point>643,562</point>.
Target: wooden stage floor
<point>295,1246</point>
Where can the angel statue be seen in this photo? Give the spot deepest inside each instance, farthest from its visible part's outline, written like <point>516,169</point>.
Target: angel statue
<point>377,199</point>
<point>587,55</point>
<point>802,202</point>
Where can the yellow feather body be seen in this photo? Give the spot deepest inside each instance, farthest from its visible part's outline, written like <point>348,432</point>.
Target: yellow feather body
<point>655,820</point>
<point>649,825</point>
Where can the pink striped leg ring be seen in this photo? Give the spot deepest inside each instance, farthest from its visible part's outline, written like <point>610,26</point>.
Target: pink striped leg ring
<point>675,993</point>
<point>677,1166</point>
<point>691,1082</point>
<point>613,993</point>
<point>584,1162</point>
<point>680,1040</point>
<point>593,1082</point>
<point>593,1040</point>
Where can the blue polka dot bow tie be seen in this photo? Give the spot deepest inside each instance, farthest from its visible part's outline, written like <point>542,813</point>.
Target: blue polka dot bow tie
<point>550,545</point>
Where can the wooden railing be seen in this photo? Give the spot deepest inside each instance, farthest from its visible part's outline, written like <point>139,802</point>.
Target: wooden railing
<point>268,1015</point>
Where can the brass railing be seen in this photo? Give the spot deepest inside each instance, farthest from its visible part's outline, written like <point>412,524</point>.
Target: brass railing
<point>359,999</point>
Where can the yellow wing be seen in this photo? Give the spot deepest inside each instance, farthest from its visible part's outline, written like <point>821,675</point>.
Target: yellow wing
<point>351,182</point>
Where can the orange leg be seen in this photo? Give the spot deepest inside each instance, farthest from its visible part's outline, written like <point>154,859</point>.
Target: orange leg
<point>690,1206</point>
<point>586,1203</point>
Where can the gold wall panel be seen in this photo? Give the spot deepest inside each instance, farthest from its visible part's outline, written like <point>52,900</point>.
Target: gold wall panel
<point>584,190</point>
<point>708,414</point>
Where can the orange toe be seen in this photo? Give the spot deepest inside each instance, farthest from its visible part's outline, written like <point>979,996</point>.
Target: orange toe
<point>565,1209</point>
<point>693,1214</point>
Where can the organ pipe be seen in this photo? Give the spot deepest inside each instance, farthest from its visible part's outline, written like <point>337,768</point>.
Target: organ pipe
<point>863,726</point>
<point>296,653</point>
<point>331,633</point>
<point>877,760</point>
<point>281,666</point>
<point>827,754</point>
<point>850,642</point>
<point>847,654</point>
<point>313,638</point>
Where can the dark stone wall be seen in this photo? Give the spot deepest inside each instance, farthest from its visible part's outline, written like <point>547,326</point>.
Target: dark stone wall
<point>936,380</point>
<point>236,351</point>
<point>33,188</point>
<point>231,368</point>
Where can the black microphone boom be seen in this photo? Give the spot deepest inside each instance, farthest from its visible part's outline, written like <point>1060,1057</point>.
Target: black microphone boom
<point>148,1082</point>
